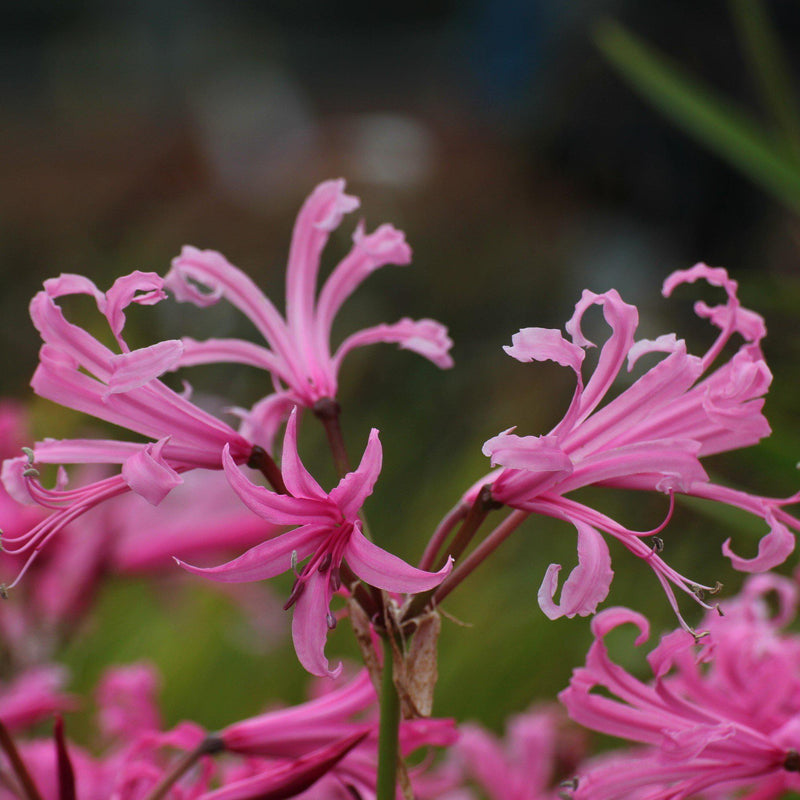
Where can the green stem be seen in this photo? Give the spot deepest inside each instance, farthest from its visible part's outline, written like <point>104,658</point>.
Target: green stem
<point>453,517</point>
<point>389,728</point>
<point>209,746</point>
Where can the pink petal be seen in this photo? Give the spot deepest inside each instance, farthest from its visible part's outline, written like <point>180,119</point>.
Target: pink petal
<point>149,475</point>
<point>136,368</point>
<point>265,560</point>
<point>545,344</point>
<point>536,453</point>
<point>278,508</point>
<point>773,549</point>
<point>261,423</point>
<point>426,337</point>
<point>587,584</point>
<point>321,213</point>
<point>144,288</point>
<point>297,478</point>
<point>353,490</point>
<point>310,626</point>
<point>386,245</point>
<point>386,571</point>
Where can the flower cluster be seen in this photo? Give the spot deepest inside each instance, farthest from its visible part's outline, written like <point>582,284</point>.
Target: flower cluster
<point>722,714</point>
<point>649,437</point>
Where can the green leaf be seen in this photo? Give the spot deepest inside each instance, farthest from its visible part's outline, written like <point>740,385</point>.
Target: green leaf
<point>694,108</point>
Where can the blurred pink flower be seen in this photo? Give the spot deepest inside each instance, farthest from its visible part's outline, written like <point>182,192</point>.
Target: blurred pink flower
<point>34,695</point>
<point>650,437</point>
<point>329,532</point>
<point>78,371</point>
<point>299,352</point>
<point>717,718</point>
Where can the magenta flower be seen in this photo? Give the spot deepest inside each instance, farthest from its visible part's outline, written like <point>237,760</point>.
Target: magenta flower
<point>721,716</point>
<point>651,437</point>
<point>298,354</point>
<point>329,533</point>
<point>78,371</point>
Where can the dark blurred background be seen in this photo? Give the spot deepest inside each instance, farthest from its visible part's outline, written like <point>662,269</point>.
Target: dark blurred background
<point>522,169</point>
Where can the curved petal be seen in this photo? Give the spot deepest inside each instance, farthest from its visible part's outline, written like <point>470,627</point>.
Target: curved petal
<point>623,320</point>
<point>297,478</point>
<point>260,424</point>
<point>144,288</point>
<point>265,560</point>
<point>426,337</point>
<point>134,369</point>
<point>545,344</point>
<point>536,453</point>
<point>278,508</point>
<point>357,486</point>
<point>386,571</point>
<point>149,475</point>
<point>385,245</point>
<point>587,584</point>
<point>310,625</point>
<point>773,549</point>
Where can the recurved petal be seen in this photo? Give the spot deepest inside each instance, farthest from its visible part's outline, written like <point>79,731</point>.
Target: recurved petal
<point>297,478</point>
<point>278,508</point>
<point>773,549</point>
<point>587,584</point>
<point>149,475</point>
<point>265,560</point>
<point>545,344</point>
<point>537,453</point>
<point>310,625</point>
<point>144,288</point>
<point>357,486</point>
<point>426,337</point>
<point>133,369</point>
<point>386,571</point>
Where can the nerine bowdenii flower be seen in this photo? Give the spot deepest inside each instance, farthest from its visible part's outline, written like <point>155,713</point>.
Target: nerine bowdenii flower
<point>298,352</point>
<point>649,437</point>
<point>719,717</point>
<point>327,532</point>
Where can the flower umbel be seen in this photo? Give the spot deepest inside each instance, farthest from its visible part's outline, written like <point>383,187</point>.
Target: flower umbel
<point>298,353</point>
<point>329,533</point>
<point>649,437</point>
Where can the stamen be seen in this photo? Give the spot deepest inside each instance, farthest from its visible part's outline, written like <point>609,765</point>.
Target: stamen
<point>3,592</point>
<point>330,620</point>
<point>335,579</point>
<point>658,544</point>
<point>29,453</point>
<point>325,564</point>
<point>294,562</point>
<point>566,788</point>
<point>30,472</point>
<point>297,590</point>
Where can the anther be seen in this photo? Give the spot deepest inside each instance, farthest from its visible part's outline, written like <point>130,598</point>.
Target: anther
<point>335,579</point>
<point>330,620</point>
<point>3,592</point>
<point>716,589</point>
<point>698,591</point>
<point>567,788</point>
<point>792,761</point>
<point>30,472</point>
<point>29,453</point>
<point>325,564</point>
<point>658,544</point>
<point>294,561</point>
<point>297,590</point>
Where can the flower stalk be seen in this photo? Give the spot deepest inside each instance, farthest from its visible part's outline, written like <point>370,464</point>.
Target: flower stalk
<point>389,727</point>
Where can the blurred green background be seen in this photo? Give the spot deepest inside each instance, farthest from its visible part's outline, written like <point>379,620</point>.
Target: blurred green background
<point>527,149</point>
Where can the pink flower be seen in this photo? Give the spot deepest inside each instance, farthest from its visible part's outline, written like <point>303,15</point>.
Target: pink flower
<point>526,764</point>
<point>78,371</point>
<point>343,712</point>
<point>32,696</point>
<point>651,436</point>
<point>329,533</point>
<point>721,715</point>
<point>299,355</point>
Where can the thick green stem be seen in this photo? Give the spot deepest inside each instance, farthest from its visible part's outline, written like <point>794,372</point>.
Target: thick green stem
<point>389,728</point>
